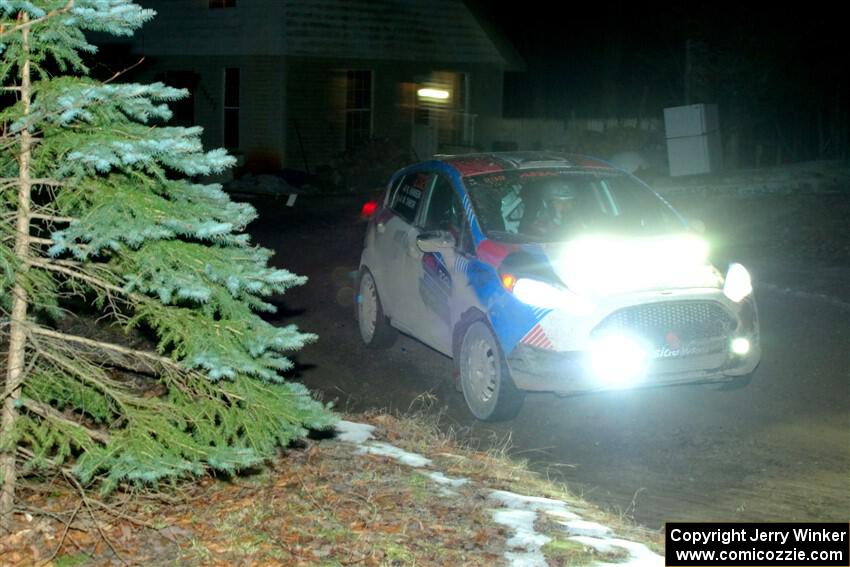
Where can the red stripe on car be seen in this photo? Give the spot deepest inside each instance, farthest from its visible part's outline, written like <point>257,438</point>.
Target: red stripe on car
<point>493,253</point>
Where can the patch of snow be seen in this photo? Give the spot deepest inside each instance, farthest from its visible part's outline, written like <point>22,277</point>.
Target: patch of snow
<point>400,455</point>
<point>519,511</point>
<point>639,554</point>
<point>526,559</point>
<point>440,478</point>
<point>522,511</point>
<point>585,528</point>
<point>553,507</point>
<point>525,543</point>
<point>352,432</point>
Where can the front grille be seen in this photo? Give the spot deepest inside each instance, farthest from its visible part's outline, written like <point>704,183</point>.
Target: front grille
<point>687,320</point>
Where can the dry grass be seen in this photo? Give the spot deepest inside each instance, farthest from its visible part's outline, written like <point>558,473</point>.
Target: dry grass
<point>318,505</point>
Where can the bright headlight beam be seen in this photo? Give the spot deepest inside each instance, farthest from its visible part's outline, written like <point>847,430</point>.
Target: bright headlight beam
<point>617,360</point>
<point>542,294</point>
<point>738,283</point>
<point>601,264</point>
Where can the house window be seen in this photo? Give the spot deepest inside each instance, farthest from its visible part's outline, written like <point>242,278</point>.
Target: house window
<point>222,4</point>
<point>183,110</point>
<point>358,108</point>
<point>231,107</point>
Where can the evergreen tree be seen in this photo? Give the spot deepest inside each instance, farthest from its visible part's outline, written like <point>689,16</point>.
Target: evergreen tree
<point>95,206</point>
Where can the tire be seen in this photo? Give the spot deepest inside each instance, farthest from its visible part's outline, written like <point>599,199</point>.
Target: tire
<point>375,330</point>
<point>486,381</point>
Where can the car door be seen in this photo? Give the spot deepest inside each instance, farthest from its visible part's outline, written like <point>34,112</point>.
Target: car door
<point>395,243</point>
<point>435,272</point>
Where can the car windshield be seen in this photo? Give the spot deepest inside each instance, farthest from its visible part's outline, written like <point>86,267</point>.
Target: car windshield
<point>549,205</point>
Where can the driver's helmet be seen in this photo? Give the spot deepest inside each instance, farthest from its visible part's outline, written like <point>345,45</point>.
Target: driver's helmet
<point>558,190</point>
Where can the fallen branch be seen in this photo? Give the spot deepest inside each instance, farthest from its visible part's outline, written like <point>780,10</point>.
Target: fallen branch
<point>85,499</point>
<point>64,535</point>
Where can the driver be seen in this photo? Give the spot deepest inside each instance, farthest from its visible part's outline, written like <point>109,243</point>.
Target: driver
<point>559,211</point>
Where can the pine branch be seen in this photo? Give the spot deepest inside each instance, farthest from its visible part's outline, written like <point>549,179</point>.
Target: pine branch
<point>27,454</point>
<point>27,23</point>
<point>167,362</point>
<point>51,218</point>
<point>47,412</point>
<point>124,71</point>
<point>60,267</point>
<point>7,182</point>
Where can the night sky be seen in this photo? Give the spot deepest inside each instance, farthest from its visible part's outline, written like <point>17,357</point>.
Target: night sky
<point>784,70</point>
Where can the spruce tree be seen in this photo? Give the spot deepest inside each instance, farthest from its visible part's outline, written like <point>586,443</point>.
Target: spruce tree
<point>97,208</point>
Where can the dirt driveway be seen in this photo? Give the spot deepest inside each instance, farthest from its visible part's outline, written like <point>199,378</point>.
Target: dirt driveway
<point>776,450</point>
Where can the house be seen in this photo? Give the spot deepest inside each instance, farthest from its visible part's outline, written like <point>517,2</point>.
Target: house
<point>291,83</point>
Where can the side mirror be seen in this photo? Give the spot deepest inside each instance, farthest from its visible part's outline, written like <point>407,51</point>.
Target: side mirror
<point>435,240</point>
<point>696,225</point>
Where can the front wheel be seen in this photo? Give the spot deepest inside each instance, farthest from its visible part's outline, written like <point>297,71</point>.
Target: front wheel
<point>486,381</point>
<point>375,330</point>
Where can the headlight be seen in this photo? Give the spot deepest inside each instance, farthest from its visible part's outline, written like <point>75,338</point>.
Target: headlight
<point>738,284</point>
<point>542,294</point>
<point>617,360</point>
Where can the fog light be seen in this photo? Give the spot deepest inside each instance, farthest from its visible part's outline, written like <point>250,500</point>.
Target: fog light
<point>617,360</point>
<point>740,346</point>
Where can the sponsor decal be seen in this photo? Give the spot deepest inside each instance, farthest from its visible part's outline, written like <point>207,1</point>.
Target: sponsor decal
<point>536,337</point>
<point>436,285</point>
<point>473,166</point>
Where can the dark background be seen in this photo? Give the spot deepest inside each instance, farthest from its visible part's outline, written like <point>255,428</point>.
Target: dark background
<point>780,76</point>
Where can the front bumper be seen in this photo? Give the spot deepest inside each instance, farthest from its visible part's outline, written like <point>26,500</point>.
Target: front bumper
<point>567,373</point>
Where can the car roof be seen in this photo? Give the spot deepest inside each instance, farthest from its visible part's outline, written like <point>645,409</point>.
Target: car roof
<point>475,164</point>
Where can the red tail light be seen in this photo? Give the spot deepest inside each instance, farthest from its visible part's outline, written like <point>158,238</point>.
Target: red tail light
<point>368,209</point>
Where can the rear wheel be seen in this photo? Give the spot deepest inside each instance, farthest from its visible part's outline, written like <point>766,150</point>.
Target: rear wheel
<point>375,330</point>
<point>487,385</point>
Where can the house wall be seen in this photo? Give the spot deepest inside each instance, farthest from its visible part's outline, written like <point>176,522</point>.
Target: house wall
<point>293,54</point>
<point>315,94</point>
<point>262,143</point>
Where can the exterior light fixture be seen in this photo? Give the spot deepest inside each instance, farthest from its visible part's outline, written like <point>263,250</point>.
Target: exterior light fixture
<point>433,94</point>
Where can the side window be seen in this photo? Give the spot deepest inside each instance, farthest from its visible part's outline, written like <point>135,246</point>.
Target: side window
<point>407,197</point>
<point>445,211</point>
<point>465,243</point>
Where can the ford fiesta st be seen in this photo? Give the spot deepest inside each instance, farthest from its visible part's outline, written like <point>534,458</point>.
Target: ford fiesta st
<point>549,273</point>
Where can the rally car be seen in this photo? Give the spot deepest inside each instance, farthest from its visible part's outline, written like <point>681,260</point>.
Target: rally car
<point>550,273</point>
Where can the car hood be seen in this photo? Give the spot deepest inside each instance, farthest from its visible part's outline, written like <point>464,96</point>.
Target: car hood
<point>604,265</point>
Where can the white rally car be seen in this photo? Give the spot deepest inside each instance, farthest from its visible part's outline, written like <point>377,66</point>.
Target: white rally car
<point>550,273</point>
